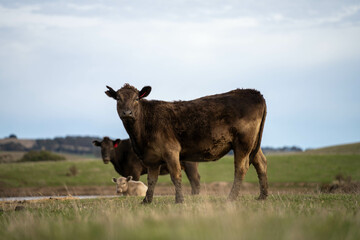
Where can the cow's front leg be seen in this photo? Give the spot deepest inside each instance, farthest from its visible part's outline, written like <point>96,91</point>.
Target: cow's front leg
<point>173,164</point>
<point>153,173</point>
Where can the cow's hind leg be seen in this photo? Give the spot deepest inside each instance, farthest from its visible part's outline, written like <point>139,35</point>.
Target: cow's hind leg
<point>192,173</point>
<point>173,164</point>
<point>241,164</point>
<point>153,173</point>
<point>260,165</point>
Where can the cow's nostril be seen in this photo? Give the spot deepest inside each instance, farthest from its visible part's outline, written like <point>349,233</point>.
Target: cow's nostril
<point>127,113</point>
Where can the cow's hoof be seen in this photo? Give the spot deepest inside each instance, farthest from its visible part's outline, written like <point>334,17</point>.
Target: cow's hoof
<point>146,201</point>
<point>195,192</point>
<point>179,200</point>
<point>261,197</point>
<point>232,197</point>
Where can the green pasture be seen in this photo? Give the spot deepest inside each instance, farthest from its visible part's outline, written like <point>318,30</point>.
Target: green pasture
<point>320,216</point>
<point>281,168</point>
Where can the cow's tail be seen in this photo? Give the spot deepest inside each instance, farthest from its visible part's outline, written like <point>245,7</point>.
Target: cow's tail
<point>259,137</point>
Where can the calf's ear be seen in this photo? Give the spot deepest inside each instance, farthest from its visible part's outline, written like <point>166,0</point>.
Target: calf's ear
<point>145,91</point>
<point>128,178</point>
<point>96,143</point>
<point>111,93</point>
<point>114,180</point>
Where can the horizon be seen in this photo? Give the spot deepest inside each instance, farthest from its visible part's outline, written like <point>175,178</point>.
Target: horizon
<point>114,138</point>
<point>56,59</point>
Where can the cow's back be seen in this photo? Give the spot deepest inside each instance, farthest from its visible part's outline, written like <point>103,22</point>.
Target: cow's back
<point>137,188</point>
<point>206,127</point>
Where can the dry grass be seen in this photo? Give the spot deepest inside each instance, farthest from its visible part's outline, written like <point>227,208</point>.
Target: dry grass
<point>341,184</point>
<point>10,157</point>
<point>281,217</point>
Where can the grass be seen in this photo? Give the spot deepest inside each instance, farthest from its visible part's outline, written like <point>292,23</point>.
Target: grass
<point>288,168</point>
<point>202,217</point>
<point>352,148</point>
<point>91,172</point>
<point>312,168</point>
<point>281,169</point>
<point>282,216</point>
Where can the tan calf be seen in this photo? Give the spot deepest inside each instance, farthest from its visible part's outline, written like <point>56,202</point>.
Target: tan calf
<point>128,187</point>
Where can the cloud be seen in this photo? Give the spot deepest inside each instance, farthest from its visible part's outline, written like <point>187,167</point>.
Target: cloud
<point>88,7</point>
<point>233,46</point>
<point>236,44</point>
<point>30,17</point>
<point>59,56</point>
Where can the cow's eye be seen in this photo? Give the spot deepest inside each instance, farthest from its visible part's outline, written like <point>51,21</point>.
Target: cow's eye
<point>120,98</point>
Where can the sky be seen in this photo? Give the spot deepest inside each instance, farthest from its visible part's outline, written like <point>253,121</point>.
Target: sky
<point>56,57</point>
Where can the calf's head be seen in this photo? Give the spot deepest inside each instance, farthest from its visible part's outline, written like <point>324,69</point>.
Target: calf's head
<point>128,99</point>
<point>107,148</point>
<point>122,184</point>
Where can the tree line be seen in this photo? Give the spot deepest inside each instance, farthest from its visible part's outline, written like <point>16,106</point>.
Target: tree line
<point>83,145</point>
<point>69,144</point>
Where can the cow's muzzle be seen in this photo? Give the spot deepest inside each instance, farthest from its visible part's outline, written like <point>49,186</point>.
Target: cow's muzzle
<point>106,159</point>
<point>126,115</point>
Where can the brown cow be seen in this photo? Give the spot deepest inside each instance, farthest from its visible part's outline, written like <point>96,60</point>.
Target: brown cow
<point>204,129</point>
<point>126,163</point>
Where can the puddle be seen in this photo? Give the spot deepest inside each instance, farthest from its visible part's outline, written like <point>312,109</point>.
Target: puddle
<point>53,197</point>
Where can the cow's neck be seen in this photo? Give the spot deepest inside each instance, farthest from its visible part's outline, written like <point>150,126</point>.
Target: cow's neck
<point>115,160</point>
<point>135,129</point>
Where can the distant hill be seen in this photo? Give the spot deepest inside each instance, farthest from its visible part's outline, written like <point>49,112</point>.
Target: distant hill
<point>69,144</point>
<point>14,144</point>
<point>353,148</point>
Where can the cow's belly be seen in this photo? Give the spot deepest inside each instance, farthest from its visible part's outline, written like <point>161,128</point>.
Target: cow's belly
<point>209,145</point>
<point>205,154</point>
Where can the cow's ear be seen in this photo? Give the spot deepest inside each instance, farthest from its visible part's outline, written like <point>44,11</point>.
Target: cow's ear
<point>96,143</point>
<point>114,180</point>
<point>128,178</point>
<point>111,93</point>
<point>116,143</point>
<point>145,91</point>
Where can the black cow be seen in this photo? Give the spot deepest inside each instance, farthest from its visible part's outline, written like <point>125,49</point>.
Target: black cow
<point>126,163</point>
